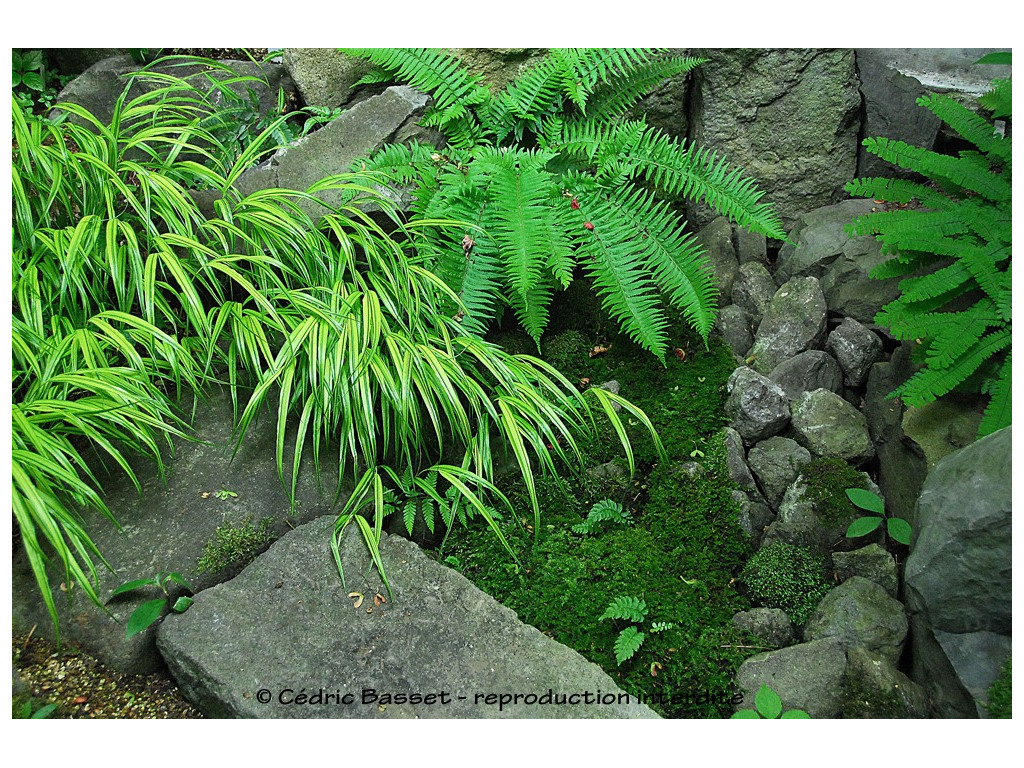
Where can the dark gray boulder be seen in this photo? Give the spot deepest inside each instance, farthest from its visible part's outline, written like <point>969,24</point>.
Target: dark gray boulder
<point>716,237</point>
<point>872,562</point>
<point>750,246</point>
<point>875,689</point>
<point>860,613</point>
<point>891,110</point>
<point>753,290</point>
<point>756,406</point>
<point>819,237</point>
<point>757,105</point>
<point>856,348</point>
<point>168,525</point>
<point>793,322</point>
<point>808,676</point>
<point>739,472</point>
<point>807,372</point>
<point>776,463</point>
<point>772,625</point>
<point>324,76</point>
<point>100,86</point>
<point>732,325</point>
<point>287,625</point>
<point>754,516</point>
<point>827,425</point>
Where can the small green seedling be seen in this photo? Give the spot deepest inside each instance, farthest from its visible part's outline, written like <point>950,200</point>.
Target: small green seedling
<point>768,706</point>
<point>897,528</point>
<point>224,495</point>
<point>147,614</point>
<point>631,638</point>
<point>28,711</point>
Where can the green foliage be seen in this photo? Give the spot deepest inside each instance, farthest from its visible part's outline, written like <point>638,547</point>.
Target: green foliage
<point>629,608</point>
<point>768,705</point>
<point>896,528</point>
<point>826,480</point>
<point>150,611</point>
<point>549,180</point>
<point>125,293</point>
<point>786,576</point>
<point>28,708</point>
<point>1000,693</point>
<point>604,511</point>
<point>34,85</point>
<point>953,236</point>
<point>630,638</point>
<point>234,545</point>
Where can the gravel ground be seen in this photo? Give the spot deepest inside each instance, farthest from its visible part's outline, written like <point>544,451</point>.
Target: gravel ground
<point>84,688</point>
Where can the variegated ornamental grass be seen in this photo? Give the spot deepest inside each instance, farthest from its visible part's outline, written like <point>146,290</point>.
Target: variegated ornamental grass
<point>126,294</point>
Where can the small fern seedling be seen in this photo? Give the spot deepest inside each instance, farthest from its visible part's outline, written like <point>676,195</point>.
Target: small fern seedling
<point>630,639</point>
<point>604,511</point>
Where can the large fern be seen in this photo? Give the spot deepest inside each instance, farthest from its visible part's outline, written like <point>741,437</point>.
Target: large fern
<point>956,229</point>
<point>551,179</point>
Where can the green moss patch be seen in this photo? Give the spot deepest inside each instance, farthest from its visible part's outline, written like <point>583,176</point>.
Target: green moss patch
<point>786,576</point>
<point>1000,694</point>
<point>827,480</point>
<point>235,545</point>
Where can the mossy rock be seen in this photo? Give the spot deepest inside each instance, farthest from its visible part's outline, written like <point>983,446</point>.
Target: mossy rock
<point>787,576</point>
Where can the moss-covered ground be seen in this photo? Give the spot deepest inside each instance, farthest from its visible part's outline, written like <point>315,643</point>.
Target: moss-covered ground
<point>680,555</point>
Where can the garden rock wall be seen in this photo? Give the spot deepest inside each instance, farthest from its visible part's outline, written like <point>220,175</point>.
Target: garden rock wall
<point>167,525</point>
<point>436,635</point>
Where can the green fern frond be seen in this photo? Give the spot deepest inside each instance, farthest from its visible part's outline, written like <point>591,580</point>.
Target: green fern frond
<point>998,412</point>
<point>970,125</point>
<point>698,174</point>
<point>627,644</point>
<point>930,383</point>
<point>440,74</point>
<point>629,608</point>
<point>526,101</point>
<point>953,170</point>
<point>621,92</point>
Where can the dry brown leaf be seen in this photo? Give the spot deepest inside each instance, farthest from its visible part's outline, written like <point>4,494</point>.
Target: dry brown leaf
<point>359,598</point>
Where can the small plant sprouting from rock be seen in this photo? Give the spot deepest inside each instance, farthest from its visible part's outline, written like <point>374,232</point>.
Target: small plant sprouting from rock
<point>604,511</point>
<point>768,706</point>
<point>897,528</point>
<point>147,614</point>
<point>630,639</point>
<point>234,545</point>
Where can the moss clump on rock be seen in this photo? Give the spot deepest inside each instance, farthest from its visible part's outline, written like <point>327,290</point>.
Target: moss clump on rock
<point>786,576</point>
<point>234,546</point>
<point>826,481</point>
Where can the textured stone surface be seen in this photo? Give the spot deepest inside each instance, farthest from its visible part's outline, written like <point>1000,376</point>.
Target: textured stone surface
<point>754,516</point>
<point>807,372</point>
<point>875,689</point>
<point>793,322</point>
<point>756,406</point>
<point>324,76</point>
<point>860,613</point>
<point>167,526</point>
<point>732,325</point>
<point>753,289</point>
<point>959,570</point>
<point>286,622</point>
<point>855,348</point>
<point>808,676</point>
<point>735,455</point>
<point>827,425</point>
<point>788,117</point>
<point>750,246</point>
<point>776,462</point>
<point>891,110</point>
<point>942,426</point>
<point>716,238</point>
<point>499,66</point>
<point>872,562</point>
<point>772,625</point>
<point>99,87</point>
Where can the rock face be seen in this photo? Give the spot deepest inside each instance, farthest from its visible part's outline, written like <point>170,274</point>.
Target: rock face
<point>757,407</point>
<point>753,290</point>
<point>769,624</point>
<point>872,563</point>
<point>716,238</point>
<point>827,425</point>
<point>808,676</point>
<point>757,106</point>
<point>499,66</point>
<point>891,110</point>
<point>862,615</point>
<point>793,322</point>
<point>732,325</point>
<point>958,576</point>
<point>818,238</point>
<point>855,348</point>
<point>807,372</point>
<point>324,76</point>
<point>168,525</point>
<point>361,130</point>
<point>249,647</point>
<point>875,689</point>
<point>776,462</point>
<point>99,87</point>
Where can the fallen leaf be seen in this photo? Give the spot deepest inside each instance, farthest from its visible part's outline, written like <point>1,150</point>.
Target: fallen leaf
<point>80,700</point>
<point>205,494</point>
<point>379,599</point>
<point>680,353</point>
<point>359,598</point>
<point>599,349</point>
<point>655,666</point>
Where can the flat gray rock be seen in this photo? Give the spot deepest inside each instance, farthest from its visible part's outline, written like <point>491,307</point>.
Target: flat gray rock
<point>808,676</point>
<point>439,648</point>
